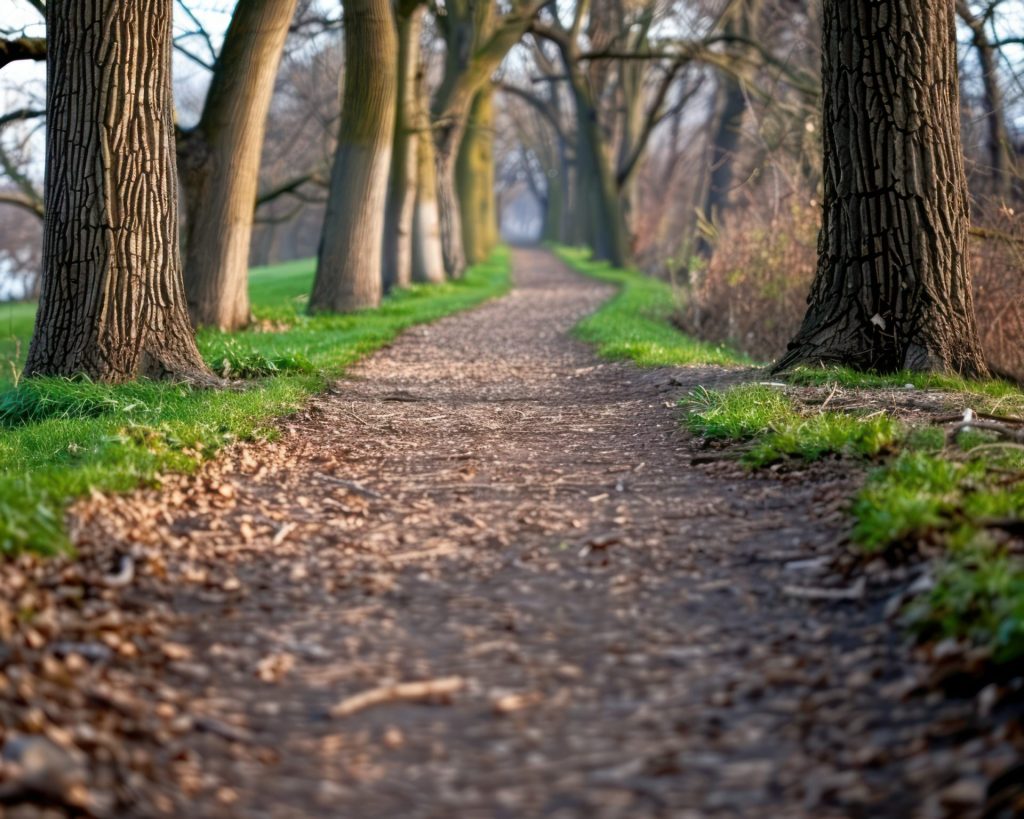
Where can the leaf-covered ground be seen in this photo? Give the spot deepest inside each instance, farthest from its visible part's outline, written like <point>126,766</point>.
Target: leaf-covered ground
<point>486,575</point>
<point>62,438</point>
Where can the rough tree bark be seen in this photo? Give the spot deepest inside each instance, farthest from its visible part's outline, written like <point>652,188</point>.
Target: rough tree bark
<point>112,304</point>
<point>220,161</point>
<point>893,287</point>
<point>348,273</point>
<point>401,204</point>
<point>474,175</point>
<point>446,152</point>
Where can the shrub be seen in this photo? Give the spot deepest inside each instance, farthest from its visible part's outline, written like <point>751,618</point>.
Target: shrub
<point>997,256</point>
<point>753,293</point>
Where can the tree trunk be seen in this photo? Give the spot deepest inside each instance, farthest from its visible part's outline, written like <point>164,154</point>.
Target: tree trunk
<point>631,81</point>
<point>476,41</point>
<point>427,256</point>
<point>893,287</point>
<point>402,184</point>
<point>723,150</point>
<point>112,304</point>
<point>450,137</point>
<point>220,162</point>
<point>998,144</point>
<point>474,174</point>
<point>348,273</point>
<point>554,204</point>
<point>607,230</point>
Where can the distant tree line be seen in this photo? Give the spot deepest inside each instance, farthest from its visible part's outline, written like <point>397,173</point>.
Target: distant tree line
<point>592,95</point>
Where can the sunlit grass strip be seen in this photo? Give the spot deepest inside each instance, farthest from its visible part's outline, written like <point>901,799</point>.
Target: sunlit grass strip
<point>960,506</point>
<point>636,323</point>
<point>952,499</point>
<point>61,438</point>
<point>997,394</point>
<point>767,418</point>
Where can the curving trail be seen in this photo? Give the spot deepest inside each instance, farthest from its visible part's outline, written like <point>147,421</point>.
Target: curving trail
<point>486,500</point>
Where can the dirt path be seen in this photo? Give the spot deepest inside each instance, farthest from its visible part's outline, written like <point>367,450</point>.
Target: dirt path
<point>486,500</point>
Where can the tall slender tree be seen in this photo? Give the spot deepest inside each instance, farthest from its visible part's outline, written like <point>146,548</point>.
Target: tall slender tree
<point>477,39</point>
<point>998,145</point>
<point>427,254</point>
<point>112,304</point>
<point>474,176</point>
<point>893,286</point>
<point>401,204</point>
<point>348,273</point>
<point>220,161</point>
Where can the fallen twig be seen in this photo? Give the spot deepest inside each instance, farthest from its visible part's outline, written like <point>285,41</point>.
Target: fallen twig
<point>959,418</point>
<point>831,395</point>
<point>987,426</point>
<point>399,692</point>
<point>282,533</point>
<point>124,576</point>
<point>351,486</point>
<point>854,592</point>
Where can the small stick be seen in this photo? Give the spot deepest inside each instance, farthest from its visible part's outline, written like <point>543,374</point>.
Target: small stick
<point>398,692</point>
<point>351,486</point>
<point>854,592</point>
<point>988,426</point>
<point>282,533</point>
<point>949,419</point>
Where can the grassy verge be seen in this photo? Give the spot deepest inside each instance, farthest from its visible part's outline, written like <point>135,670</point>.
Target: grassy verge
<point>961,499</point>
<point>60,439</point>
<point>949,497</point>
<point>778,430</point>
<point>15,331</point>
<point>636,323</point>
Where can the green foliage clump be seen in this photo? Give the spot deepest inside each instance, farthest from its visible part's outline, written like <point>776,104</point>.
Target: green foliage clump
<point>828,433</point>
<point>636,324</point>
<point>914,495</point>
<point>996,394</point>
<point>39,399</point>
<point>924,495</point>
<point>780,431</point>
<point>979,596</point>
<point>738,414</point>
<point>230,357</point>
<point>62,438</point>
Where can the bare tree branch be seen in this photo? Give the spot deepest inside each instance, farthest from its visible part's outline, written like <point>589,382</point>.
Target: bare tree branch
<point>18,200</point>
<point>200,30</point>
<point>21,114</point>
<point>290,187</point>
<point>22,48</point>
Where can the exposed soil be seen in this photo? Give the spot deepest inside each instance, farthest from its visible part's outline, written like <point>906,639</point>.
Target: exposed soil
<point>611,631</point>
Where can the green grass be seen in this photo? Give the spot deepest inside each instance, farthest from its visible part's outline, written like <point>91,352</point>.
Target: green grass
<point>925,491</point>
<point>927,497</point>
<point>978,596</point>
<point>15,331</point>
<point>60,438</point>
<point>635,324</point>
<point>996,394</point>
<point>766,416</point>
<point>921,491</point>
